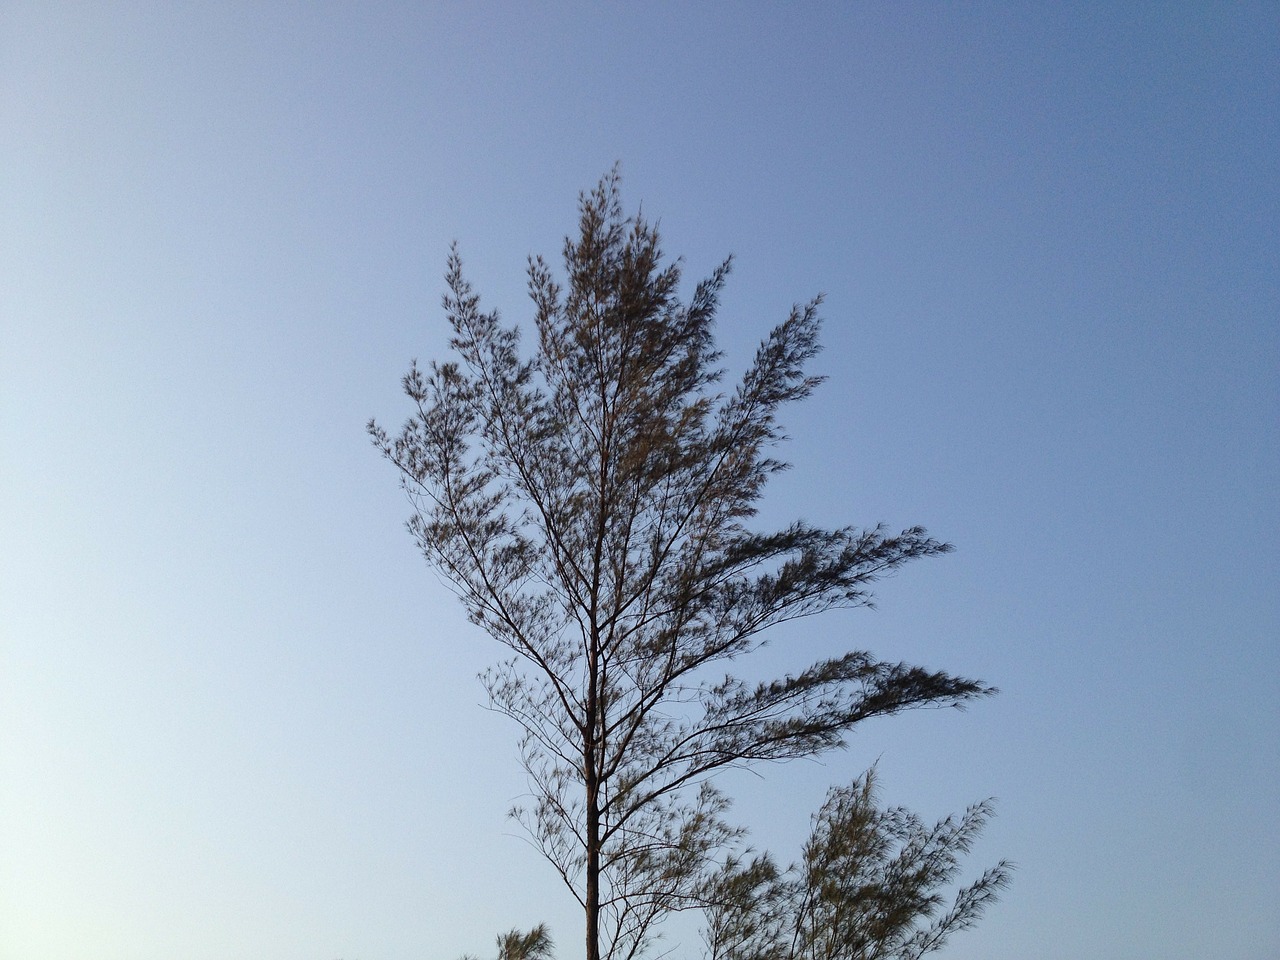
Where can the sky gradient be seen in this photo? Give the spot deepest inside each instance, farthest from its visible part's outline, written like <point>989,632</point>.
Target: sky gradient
<point>238,714</point>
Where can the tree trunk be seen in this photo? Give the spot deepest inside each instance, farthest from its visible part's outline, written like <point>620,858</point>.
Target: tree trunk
<point>591,781</point>
<point>593,866</point>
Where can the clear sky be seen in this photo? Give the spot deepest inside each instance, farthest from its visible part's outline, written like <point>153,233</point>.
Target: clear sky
<point>239,716</point>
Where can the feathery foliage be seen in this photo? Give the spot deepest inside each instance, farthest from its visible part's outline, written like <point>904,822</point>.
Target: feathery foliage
<point>514,945</point>
<point>590,505</point>
<point>868,887</point>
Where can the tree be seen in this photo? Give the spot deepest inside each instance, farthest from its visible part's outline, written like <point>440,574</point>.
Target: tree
<point>867,887</point>
<point>514,945</point>
<point>589,504</point>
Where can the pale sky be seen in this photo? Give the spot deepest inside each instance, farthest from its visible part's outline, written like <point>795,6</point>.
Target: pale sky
<point>239,715</point>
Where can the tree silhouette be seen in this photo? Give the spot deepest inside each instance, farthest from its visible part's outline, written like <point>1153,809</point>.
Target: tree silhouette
<point>514,945</point>
<point>867,887</point>
<point>590,506</point>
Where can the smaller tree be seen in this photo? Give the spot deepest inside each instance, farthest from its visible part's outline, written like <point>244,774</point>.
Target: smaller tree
<point>868,887</point>
<point>514,945</point>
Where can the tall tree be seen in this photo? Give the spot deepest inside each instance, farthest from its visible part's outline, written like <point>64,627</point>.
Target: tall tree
<point>590,506</point>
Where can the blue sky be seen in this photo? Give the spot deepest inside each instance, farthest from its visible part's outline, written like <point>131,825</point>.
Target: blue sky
<point>238,715</point>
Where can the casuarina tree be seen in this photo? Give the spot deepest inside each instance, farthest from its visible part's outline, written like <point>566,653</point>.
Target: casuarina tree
<point>514,945</point>
<point>869,886</point>
<point>591,502</point>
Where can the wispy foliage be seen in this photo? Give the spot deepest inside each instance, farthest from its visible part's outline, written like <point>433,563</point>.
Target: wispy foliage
<point>514,945</point>
<point>590,504</point>
<point>870,886</point>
